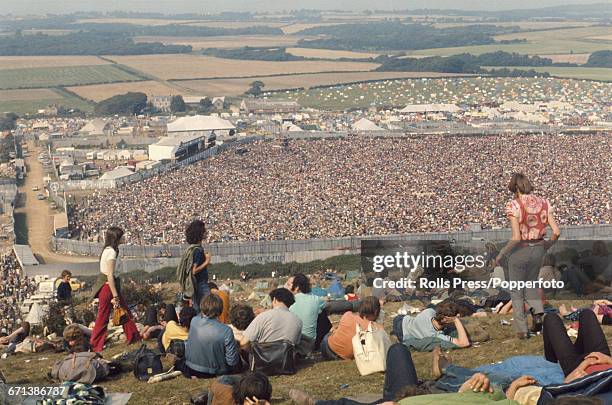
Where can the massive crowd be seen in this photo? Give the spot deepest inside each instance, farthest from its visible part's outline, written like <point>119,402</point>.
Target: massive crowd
<point>13,290</point>
<point>358,186</point>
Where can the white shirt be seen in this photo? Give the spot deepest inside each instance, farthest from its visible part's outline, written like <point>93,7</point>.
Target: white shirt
<point>109,254</point>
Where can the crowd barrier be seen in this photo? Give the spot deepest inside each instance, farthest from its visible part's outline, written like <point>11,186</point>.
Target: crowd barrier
<point>305,250</point>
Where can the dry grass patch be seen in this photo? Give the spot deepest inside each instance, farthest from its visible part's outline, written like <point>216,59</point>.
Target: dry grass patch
<point>25,62</point>
<point>579,58</point>
<point>234,87</point>
<point>99,92</point>
<point>329,54</point>
<point>196,67</point>
<point>135,21</point>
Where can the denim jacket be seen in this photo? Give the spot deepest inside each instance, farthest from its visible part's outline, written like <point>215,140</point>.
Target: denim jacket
<point>210,347</point>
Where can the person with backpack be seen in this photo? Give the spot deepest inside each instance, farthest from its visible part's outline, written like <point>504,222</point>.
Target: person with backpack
<point>192,272</point>
<point>108,291</point>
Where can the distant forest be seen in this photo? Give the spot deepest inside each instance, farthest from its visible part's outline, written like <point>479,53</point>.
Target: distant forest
<point>393,35</point>
<point>82,43</point>
<point>600,59</point>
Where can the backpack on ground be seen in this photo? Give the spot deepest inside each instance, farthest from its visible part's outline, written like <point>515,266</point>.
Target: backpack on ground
<point>147,363</point>
<point>273,358</point>
<point>83,367</point>
<point>177,348</point>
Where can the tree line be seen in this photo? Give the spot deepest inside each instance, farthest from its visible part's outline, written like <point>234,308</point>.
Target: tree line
<point>83,43</point>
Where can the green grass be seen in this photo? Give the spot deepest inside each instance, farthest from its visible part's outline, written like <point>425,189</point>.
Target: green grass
<point>63,76</point>
<point>589,73</point>
<point>32,106</point>
<point>561,41</point>
<point>323,379</point>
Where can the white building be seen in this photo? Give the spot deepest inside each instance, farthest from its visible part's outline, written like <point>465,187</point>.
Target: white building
<point>430,108</point>
<point>177,146</point>
<point>117,174</point>
<point>200,124</point>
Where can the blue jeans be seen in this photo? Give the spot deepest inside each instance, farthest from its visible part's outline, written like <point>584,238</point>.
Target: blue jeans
<point>326,351</point>
<point>453,378</point>
<point>398,329</point>
<point>201,291</point>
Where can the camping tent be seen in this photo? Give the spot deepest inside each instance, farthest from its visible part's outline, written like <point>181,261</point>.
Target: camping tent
<point>36,314</point>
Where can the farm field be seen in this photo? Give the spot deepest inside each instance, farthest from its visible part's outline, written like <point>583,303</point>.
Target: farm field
<point>196,67</point>
<point>589,73</point>
<point>297,27</point>
<point>561,41</point>
<point>24,62</point>
<point>227,41</point>
<point>98,92</point>
<point>62,76</point>
<point>329,54</point>
<point>580,58</point>
<point>135,21</point>
<point>235,87</point>
<point>236,24</point>
<point>30,100</point>
<point>525,25</point>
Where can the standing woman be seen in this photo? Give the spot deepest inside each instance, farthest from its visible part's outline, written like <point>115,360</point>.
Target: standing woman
<point>108,292</point>
<point>195,235</point>
<point>530,216</point>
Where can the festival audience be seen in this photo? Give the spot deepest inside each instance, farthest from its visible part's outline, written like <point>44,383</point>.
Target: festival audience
<point>64,289</point>
<point>210,348</point>
<point>178,329</point>
<point>338,344</point>
<point>427,329</point>
<point>225,297</point>
<point>308,189</point>
<point>276,324</point>
<point>310,309</point>
<point>241,316</point>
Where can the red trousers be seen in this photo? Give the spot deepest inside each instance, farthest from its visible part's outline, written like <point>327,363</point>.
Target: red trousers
<point>98,336</point>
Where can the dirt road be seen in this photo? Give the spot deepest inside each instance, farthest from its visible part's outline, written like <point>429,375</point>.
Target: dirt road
<point>39,216</point>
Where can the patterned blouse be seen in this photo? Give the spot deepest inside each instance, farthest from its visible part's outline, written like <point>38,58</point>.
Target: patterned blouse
<point>532,213</point>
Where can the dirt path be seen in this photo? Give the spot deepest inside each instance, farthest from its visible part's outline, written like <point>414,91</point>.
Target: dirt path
<point>39,216</point>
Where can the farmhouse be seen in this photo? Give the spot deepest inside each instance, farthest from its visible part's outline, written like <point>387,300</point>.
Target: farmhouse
<point>94,127</point>
<point>258,106</point>
<point>201,124</point>
<point>161,103</point>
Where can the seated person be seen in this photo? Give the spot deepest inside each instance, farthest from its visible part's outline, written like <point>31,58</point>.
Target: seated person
<point>64,290</point>
<point>590,352</point>
<point>76,338</point>
<point>338,344</point>
<point>152,327</point>
<point>210,348</point>
<point>310,309</point>
<point>602,309</point>
<point>241,316</point>
<point>225,297</point>
<point>248,389</point>
<point>402,385</point>
<point>276,324</point>
<point>349,293</point>
<point>178,330</point>
<point>430,324</point>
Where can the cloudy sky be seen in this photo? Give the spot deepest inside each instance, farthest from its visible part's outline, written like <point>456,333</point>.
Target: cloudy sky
<point>214,6</point>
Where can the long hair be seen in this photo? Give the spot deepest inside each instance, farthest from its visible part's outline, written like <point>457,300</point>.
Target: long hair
<point>112,238</point>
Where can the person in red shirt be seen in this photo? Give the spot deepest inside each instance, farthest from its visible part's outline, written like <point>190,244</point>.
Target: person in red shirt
<point>349,293</point>
<point>529,217</point>
<point>338,343</point>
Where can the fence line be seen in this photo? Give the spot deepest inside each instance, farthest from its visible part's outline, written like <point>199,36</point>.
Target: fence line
<point>234,251</point>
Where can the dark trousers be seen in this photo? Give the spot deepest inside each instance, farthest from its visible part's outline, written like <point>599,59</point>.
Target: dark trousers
<point>400,373</point>
<point>559,348</point>
<point>324,325</point>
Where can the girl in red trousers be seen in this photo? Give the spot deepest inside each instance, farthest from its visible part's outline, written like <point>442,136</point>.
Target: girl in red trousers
<point>108,292</point>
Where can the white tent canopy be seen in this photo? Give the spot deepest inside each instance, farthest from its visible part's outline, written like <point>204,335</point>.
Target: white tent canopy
<point>200,123</point>
<point>365,124</point>
<point>36,314</point>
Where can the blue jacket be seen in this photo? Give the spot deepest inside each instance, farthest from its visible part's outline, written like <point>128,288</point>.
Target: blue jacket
<point>210,347</point>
